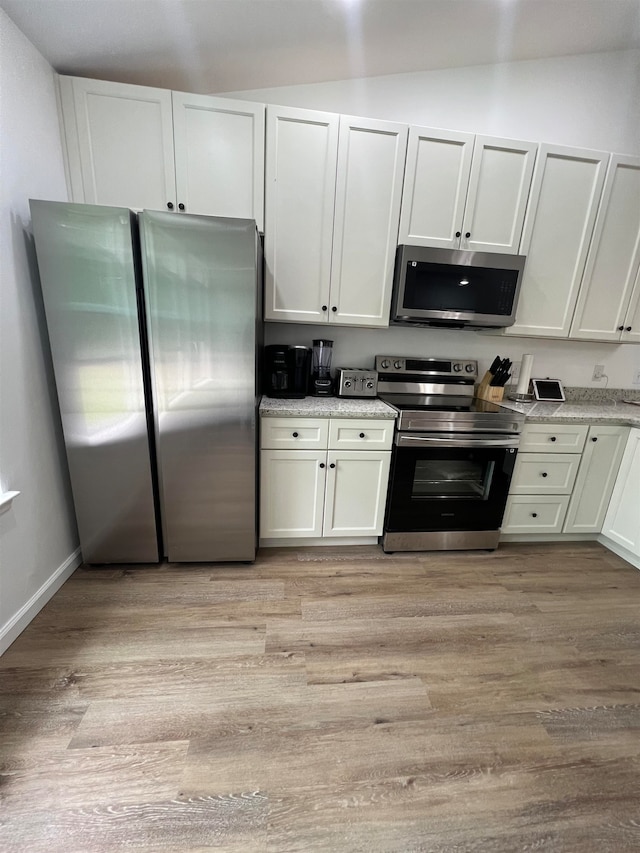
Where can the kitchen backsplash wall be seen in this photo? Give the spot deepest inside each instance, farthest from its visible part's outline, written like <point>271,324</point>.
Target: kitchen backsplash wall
<point>570,361</point>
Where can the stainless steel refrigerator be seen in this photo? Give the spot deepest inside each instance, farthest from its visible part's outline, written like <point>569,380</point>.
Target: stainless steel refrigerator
<point>154,326</point>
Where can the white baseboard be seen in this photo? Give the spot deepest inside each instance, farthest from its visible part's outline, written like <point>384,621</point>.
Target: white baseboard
<point>324,542</point>
<point>16,625</point>
<point>620,550</point>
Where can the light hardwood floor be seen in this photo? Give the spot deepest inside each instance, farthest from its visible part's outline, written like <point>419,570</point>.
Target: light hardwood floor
<point>330,700</point>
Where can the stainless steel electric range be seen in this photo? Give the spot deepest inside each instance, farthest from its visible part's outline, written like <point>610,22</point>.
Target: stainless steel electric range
<point>452,460</point>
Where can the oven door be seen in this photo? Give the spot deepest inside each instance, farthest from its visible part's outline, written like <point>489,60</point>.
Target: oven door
<point>449,482</point>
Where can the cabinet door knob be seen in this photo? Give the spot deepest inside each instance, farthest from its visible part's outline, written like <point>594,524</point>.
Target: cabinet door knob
<point>294,434</point>
<point>468,234</point>
<point>534,515</point>
<point>361,435</point>
<point>621,328</point>
<point>324,307</point>
<point>170,205</point>
<point>544,474</point>
<point>552,438</point>
<point>628,328</point>
<point>458,233</point>
<point>181,206</point>
<point>322,464</point>
<point>594,438</point>
<point>332,465</point>
<point>334,309</point>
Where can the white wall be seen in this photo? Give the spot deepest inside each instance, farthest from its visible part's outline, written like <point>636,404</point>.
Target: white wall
<point>590,101</point>
<point>570,361</point>
<point>38,539</point>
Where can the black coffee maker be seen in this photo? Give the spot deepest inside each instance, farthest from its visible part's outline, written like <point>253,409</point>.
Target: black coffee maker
<point>286,371</point>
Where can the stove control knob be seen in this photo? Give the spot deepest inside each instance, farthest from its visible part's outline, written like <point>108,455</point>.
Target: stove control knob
<point>469,368</point>
<point>347,383</point>
<point>457,367</point>
<point>384,363</point>
<point>397,365</point>
<point>369,384</point>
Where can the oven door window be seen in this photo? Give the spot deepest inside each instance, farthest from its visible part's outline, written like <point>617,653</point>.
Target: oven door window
<point>458,479</point>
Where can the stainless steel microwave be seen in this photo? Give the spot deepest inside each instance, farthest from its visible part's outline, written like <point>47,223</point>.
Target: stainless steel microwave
<point>454,289</point>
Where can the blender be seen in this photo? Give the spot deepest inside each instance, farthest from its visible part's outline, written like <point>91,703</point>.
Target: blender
<point>321,384</point>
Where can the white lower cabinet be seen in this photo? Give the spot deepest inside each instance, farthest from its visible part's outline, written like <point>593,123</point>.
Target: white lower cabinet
<point>622,521</point>
<point>327,492</point>
<point>566,488</point>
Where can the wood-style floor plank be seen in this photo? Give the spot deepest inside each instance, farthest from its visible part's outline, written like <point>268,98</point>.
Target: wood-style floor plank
<point>330,699</point>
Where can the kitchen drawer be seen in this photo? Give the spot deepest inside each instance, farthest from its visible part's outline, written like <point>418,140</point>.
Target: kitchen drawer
<point>294,433</point>
<point>535,514</point>
<point>550,438</point>
<point>350,434</point>
<point>545,473</point>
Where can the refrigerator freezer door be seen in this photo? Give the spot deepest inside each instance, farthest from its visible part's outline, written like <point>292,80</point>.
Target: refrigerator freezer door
<point>86,263</point>
<point>200,277</point>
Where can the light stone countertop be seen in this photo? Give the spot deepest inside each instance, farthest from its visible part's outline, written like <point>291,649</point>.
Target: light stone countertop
<point>326,407</point>
<point>587,412</point>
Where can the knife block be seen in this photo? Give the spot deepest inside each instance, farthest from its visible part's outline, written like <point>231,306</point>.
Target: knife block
<point>485,391</point>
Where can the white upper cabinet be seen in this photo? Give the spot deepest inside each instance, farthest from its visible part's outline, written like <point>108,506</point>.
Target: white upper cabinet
<point>219,154</point>
<point>609,296</point>
<point>119,143</point>
<point>465,192</point>
<point>120,146</point>
<point>563,202</point>
<point>333,191</point>
<point>435,187</point>
<point>499,185</point>
<point>301,158</point>
<point>367,210</point>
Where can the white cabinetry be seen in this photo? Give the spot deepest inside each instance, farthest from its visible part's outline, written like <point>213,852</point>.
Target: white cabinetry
<point>596,476</point>
<point>610,292</point>
<point>622,521</point>
<point>139,147</point>
<point>563,202</point>
<point>119,143</point>
<point>219,150</point>
<point>336,490</point>
<point>563,478</point>
<point>466,192</point>
<point>333,190</point>
<point>542,482</point>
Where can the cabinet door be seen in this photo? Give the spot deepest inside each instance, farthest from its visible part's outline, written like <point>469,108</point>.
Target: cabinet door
<point>356,492</point>
<point>631,333</point>
<point>292,484</point>
<point>301,158</point>
<point>120,143</point>
<point>497,198</point>
<point>622,521</point>
<point>371,158</point>
<point>435,187</point>
<point>614,257</point>
<point>219,150</point>
<point>566,189</point>
<point>596,476</point>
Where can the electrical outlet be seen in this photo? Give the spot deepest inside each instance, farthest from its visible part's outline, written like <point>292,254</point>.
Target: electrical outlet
<point>598,372</point>
<point>636,377</point>
<point>515,371</point>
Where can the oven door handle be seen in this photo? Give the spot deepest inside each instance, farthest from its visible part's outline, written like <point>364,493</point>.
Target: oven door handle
<point>404,440</point>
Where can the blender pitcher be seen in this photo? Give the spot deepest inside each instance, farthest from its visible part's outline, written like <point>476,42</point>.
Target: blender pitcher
<point>321,384</point>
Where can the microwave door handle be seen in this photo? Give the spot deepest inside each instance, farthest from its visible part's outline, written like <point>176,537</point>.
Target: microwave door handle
<point>449,441</point>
